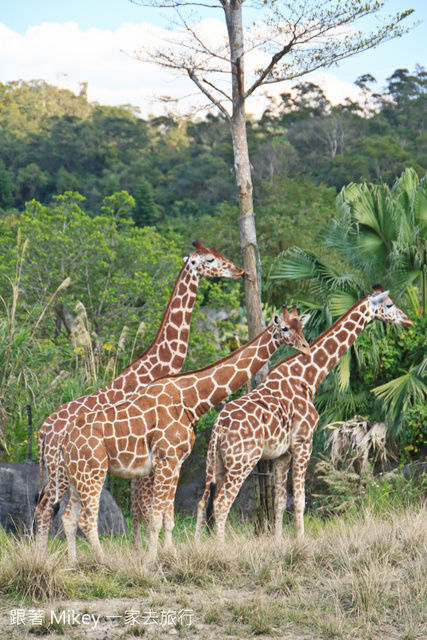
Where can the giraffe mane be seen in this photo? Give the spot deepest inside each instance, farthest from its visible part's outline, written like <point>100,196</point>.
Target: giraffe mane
<point>329,330</point>
<point>212,364</point>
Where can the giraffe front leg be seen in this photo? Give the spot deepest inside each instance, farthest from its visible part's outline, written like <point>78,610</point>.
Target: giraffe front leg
<point>301,457</point>
<point>281,468</point>
<point>136,513</point>
<point>91,508</point>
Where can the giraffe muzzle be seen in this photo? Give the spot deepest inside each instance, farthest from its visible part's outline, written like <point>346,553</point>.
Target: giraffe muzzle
<point>406,322</point>
<point>239,274</point>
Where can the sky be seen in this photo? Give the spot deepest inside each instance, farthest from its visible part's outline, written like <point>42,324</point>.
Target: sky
<point>70,42</point>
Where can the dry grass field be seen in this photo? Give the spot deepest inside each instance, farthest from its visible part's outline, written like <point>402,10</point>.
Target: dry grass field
<point>358,576</point>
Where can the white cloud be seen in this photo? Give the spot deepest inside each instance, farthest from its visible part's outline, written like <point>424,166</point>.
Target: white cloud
<point>65,55</point>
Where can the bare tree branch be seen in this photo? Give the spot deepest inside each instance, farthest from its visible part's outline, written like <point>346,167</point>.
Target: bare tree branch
<point>207,93</point>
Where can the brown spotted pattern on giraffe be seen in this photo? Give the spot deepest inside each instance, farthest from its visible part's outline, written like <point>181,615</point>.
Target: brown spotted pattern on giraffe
<point>294,413</point>
<point>298,369</point>
<point>168,408</point>
<point>320,358</point>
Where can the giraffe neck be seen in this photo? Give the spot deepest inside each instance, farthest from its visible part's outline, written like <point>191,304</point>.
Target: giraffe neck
<point>205,388</point>
<point>171,342</point>
<point>166,354</point>
<point>330,346</point>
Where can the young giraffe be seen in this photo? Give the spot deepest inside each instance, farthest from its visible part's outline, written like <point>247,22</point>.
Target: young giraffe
<point>153,433</point>
<point>278,418</point>
<point>165,356</point>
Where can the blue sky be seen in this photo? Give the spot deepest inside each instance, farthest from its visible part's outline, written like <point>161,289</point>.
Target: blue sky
<point>38,41</point>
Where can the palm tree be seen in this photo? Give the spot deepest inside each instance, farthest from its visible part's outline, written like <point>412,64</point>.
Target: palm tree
<point>378,235</point>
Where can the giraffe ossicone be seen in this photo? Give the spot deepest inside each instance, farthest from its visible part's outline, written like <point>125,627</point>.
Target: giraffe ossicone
<point>155,428</point>
<point>164,356</point>
<point>277,420</point>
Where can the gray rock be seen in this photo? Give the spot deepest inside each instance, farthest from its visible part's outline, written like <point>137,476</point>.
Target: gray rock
<point>19,484</point>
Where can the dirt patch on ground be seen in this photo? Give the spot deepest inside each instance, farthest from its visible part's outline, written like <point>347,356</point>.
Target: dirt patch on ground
<point>181,612</point>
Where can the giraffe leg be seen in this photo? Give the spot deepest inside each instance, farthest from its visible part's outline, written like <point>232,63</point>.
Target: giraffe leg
<point>301,457</point>
<point>55,489</point>
<point>164,487</point>
<point>91,507</point>
<point>234,477</point>
<point>281,468</point>
<point>136,513</point>
<point>141,495</point>
<point>169,520</point>
<point>87,467</point>
<point>70,521</point>
<point>201,508</point>
<point>201,512</point>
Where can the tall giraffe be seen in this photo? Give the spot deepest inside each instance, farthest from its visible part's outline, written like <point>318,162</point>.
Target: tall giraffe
<point>165,356</point>
<point>277,420</point>
<point>152,433</point>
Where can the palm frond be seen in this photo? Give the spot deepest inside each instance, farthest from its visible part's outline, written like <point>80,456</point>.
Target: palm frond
<point>401,392</point>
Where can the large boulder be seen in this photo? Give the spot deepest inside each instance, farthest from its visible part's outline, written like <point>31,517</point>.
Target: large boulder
<point>19,484</point>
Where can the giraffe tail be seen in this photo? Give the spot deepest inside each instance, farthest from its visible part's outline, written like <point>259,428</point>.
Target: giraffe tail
<point>40,445</point>
<point>56,505</point>
<point>210,519</point>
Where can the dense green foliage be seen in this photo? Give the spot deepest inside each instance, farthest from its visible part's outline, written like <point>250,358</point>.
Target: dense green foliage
<point>52,141</point>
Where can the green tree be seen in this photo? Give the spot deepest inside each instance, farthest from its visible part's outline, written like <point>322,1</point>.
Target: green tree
<point>6,199</point>
<point>144,213</point>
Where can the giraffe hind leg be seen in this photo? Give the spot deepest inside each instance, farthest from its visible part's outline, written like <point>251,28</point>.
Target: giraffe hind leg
<point>70,520</point>
<point>45,510</point>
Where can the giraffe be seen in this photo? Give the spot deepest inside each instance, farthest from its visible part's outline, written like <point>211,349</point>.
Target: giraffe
<point>152,433</point>
<point>165,356</point>
<point>277,419</point>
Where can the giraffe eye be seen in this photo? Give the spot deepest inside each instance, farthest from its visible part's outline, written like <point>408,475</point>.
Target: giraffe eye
<point>389,306</point>
<point>210,260</point>
<point>285,329</point>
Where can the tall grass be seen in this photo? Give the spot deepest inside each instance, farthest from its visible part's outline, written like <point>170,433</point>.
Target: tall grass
<point>362,574</point>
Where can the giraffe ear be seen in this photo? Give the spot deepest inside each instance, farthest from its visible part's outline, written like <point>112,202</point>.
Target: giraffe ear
<point>305,318</point>
<point>379,298</point>
<point>275,320</point>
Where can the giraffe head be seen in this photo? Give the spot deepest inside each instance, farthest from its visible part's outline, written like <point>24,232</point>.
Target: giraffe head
<point>212,264</point>
<point>290,328</point>
<point>384,308</point>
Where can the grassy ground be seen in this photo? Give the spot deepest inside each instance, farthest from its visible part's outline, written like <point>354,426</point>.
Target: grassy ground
<point>359,575</point>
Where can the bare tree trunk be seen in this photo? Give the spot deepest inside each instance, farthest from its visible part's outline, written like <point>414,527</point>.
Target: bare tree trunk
<point>248,240</point>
